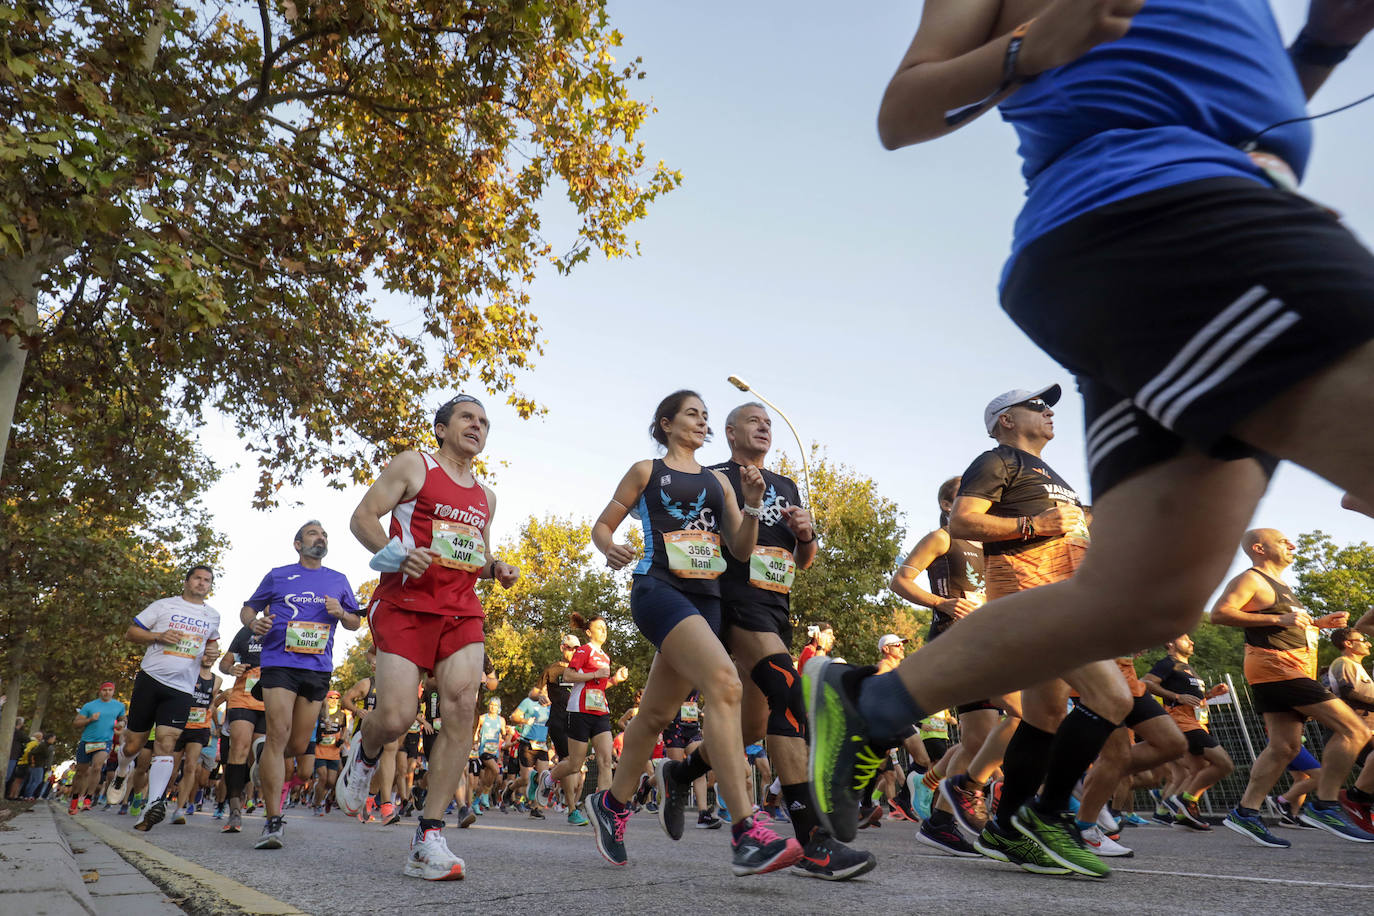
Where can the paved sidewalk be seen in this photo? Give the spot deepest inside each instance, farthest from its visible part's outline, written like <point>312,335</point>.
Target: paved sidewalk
<point>43,856</point>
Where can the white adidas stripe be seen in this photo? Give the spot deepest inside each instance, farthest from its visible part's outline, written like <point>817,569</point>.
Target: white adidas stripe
<point>1222,372</point>
<point>1199,340</point>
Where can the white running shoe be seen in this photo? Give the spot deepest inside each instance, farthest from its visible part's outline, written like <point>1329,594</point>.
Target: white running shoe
<point>351,789</point>
<point>544,792</point>
<point>1107,822</point>
<point>431,859</point>
<point>1101,844</point>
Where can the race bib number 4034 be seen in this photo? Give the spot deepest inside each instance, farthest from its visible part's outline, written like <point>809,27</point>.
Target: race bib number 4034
<point>694,554</point>
<point>307,637</point>
<point>459,546</point>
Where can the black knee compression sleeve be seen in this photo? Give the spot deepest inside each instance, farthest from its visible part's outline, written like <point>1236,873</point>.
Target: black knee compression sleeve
<point>781,686</point>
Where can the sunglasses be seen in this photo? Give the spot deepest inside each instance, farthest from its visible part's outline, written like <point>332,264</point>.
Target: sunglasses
<point>1036,404</point>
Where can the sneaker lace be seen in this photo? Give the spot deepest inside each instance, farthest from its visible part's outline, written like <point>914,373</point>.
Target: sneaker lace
<point>622,820</point>
<point>761,833</point>
<point>866,763</point>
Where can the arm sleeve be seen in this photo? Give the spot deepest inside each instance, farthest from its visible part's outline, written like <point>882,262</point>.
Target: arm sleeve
<point>579,658</point>
<point>985,478</point>
<point>262,598</point>
<point>1356,692</point>
<point>1162,668</point>
<point>347,598</point>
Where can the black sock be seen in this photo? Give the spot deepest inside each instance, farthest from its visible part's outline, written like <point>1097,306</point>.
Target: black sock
<point>362,754</point>
<point>1028,755</point>
<point>1076,745</point>
<point>1355,793</point>
<point>429,824</point>
<point>1247,812</point>
<point>797,802</point>
<point>693,768</point>
<point>942,818</point>
<point>235,776</point>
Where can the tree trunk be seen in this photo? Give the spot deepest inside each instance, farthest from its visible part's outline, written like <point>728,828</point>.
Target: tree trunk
<point>40,707</point>
<point>18,303</point>
<point>14,683</point>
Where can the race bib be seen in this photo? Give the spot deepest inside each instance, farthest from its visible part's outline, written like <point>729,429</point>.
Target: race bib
<point>1202,715</point>
<point>690,712</point>
<point>307,637</point>
<point>772,568</point>
<point>694,554</point>
<point>197,716</point>
<point>1078,534</point>
<point>95,747</point>
<point>538,745</point>
<point>327,740</point>
<point>459,546</point>
<point>189,645</point>
<point>250,683</point>
<point>491,747</point>
<point>414,727</point>
<point>595,700</point>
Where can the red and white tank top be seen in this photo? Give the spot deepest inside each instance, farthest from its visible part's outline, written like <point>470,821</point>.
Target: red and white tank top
<point>451,519</point>
<point>589,696</point>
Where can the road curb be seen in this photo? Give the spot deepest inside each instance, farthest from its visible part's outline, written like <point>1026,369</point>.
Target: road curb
<point>38,873</point>
<point>178,871</point>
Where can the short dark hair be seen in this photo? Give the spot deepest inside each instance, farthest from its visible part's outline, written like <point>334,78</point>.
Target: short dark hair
<point>300,532</point>
<point>445,411</point>
<point>668,408</point>
<point>192,571</point>
<point>1339,638</point>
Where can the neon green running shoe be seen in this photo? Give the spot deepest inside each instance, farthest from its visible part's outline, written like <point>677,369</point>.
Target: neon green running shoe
<point>1015,849</point>
<point>842,762</point>
<point>1060,841</point>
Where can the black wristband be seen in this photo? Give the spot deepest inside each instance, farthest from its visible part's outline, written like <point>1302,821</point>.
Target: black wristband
<point>1317,54</point>
<point>811,541</point>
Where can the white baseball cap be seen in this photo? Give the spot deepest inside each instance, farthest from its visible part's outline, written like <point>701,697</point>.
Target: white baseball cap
<point>891,639</point>
<point>1009,399</point>
<point>571,641</point>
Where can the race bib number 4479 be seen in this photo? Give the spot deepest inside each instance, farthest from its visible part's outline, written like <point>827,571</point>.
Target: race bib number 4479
<point>459,546</point>
<point>694,554</point>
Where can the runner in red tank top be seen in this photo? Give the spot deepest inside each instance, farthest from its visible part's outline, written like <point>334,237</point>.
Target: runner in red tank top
<point>425,615</point>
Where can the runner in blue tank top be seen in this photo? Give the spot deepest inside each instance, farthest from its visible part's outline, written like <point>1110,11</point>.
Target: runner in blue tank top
<point>688,523</point>
<point>1216,321</point>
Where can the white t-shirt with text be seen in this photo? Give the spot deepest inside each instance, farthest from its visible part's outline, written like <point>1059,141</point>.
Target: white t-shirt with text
<point>178,666</point>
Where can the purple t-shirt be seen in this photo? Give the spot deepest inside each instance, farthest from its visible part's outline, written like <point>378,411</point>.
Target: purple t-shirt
<point>302,634</point>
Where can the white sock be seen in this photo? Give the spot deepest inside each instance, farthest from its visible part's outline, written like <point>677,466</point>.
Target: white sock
<point>775,787</point>
<point>122,768</point>
<point>159,774</point>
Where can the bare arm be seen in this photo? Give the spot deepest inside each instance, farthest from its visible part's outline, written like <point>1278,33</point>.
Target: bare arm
<point>399,481</point>
<point>1240,592</point>
<point>958,59</point>
<point>350,697</point>
<point>741,531</point>
<point>627,493</point>
<point>139,636</point>
<point>1334,23</point>
<point>933,545</point>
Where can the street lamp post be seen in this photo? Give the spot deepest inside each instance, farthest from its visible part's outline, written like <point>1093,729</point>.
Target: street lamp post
<point>742,385</point>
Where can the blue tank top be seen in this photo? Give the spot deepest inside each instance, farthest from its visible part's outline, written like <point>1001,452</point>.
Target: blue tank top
<point>681,514</point>
<point>489,733</point>
<point>1167,104</point>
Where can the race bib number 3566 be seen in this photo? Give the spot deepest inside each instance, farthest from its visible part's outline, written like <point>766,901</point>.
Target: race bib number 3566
<point>694,554</point>
<point>459,546</point>
<point>772,568</point>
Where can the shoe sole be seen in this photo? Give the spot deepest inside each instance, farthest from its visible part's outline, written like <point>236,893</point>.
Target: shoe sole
<point>117,796</point>
<point>468,820</point>
<point>998,856</point>
<point>1229,825</point>
<point>270,843</point>
<point>843,874</point>
<point>1063,862</point>
<point>661,786</point>
<point>589,810</point>
<point>1313,822</point>
<point>948,790</point>
<point>1124,854</point>
<point>790,855</point>
<point>341,792</point>
<point>456,873</point>
<point>815,688</point>
<point>958,853</point>
<point>150,818</point>
<point>1199,826</point>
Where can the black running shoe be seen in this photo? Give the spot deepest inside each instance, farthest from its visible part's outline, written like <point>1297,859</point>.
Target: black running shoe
<point>152,816</point>
<point>672,798</point>
<point>945,838</point>
<point>830,860</point>
<point>273,833</point>
<point>609,828</point>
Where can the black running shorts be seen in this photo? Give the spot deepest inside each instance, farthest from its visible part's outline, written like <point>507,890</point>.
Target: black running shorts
<point>308,684</point>
<point>1184,310</point>
<point>154,703</point>
<point>756,618</point>
<point>1142,710</point>
<point>1287,696</point>
<point>1199,739</point>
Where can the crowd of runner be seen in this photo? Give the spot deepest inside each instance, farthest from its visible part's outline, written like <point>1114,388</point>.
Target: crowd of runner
<point>1040,603</point>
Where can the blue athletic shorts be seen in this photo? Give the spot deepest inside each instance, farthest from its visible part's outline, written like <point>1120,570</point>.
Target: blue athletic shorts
<point>1304,762</point>
<point>657,607</point>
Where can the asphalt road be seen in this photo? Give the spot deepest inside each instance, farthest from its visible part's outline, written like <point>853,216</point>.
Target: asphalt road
<point>334,865</point>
